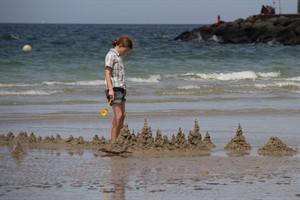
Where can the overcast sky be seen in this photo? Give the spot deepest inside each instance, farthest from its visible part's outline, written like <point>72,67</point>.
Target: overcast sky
<point>133,11</point>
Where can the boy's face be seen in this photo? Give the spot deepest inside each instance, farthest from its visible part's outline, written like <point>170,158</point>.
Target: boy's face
<point>123,50</point>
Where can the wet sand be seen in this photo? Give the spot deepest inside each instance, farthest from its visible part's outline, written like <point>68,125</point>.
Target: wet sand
<point>83,174</point>
<point>156,167</point>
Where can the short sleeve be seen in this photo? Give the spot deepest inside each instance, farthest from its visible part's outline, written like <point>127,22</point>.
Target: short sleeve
<point>109,60</point>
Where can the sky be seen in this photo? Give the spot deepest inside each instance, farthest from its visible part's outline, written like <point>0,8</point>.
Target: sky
<point>134,11</point>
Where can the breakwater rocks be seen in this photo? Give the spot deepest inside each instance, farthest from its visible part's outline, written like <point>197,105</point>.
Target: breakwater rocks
<point>283,29</point>
<point>144,143</point>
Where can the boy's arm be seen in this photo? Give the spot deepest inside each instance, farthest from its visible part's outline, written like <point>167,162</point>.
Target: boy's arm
<point>108,82</point>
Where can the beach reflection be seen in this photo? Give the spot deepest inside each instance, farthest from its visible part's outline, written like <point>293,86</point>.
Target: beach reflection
<point>18,158</point>
<point>117,178</point>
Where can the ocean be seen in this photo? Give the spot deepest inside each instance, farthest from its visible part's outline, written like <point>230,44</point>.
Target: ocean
<point>58,87</point>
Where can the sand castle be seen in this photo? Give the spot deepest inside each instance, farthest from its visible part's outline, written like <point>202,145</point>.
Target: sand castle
<point>275,147</point>
<point>145,143</point>
<point>238,143</point>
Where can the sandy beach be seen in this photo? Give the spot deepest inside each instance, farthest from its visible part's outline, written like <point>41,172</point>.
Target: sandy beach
<point>33,167</point>
<point>77,174</point>
<point>64,159</point>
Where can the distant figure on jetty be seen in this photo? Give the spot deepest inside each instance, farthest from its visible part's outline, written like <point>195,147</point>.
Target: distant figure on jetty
<point>267,10</point>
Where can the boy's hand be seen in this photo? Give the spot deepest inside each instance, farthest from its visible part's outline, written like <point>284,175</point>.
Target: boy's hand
<point>111,94</point>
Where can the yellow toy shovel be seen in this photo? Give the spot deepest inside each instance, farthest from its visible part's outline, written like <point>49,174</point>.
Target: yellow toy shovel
<point>105,110</point>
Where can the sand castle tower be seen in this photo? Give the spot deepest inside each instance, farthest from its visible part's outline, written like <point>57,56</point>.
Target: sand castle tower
<point>207,142</point>
<point>122,143</point>
<point>39,139</point>
<point>194,137</point>
<point>58,138</point>
<point>32,138</point>
<point>98,141</point>
<point>238,143</point>
<point>179,142</point>
<point>159,141</point>
<point>125,136</point>
<point>145,139</point>
<point>22,136</point>
<point>10,137</point>
<point>79,140</point>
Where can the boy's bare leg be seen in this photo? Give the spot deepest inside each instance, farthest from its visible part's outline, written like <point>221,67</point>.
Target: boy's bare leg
<point>118,121</point>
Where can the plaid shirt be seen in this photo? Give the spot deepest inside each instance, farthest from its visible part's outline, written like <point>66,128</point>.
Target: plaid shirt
<point>115,62</point>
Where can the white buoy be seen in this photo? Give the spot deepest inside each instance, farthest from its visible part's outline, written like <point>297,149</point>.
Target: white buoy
<point>27,48</point>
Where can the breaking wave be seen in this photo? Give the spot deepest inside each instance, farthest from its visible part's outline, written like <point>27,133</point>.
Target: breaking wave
<point>150,79</point>
<point>233,76</point>
<point>29,93</point>
<point>51,83</point>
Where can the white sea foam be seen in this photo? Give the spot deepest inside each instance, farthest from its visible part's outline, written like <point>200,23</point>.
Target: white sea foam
<point>269,74</point>
<point>79,83</point>
<point>7,85</point>
<point>294,78</point>
<point>188,87</point>
<point>278,84</point>
<point>221,76</point>
<point>50,83</point>
<point>214,38</point>
<point>232,76</point>
<point>29,93</point>
<point>151,79</point>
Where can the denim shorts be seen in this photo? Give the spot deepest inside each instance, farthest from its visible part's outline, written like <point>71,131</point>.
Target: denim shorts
<point>119,96</point>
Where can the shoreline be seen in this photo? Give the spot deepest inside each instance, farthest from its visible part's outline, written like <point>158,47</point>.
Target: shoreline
<point>202,108</point>
<point>147,142</point>
<point>218,125</point>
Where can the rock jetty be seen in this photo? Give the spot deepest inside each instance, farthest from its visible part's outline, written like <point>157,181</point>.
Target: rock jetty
<point>281,29</point>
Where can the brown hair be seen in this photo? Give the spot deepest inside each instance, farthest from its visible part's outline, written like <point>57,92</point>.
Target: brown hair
<point>124,41</point>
